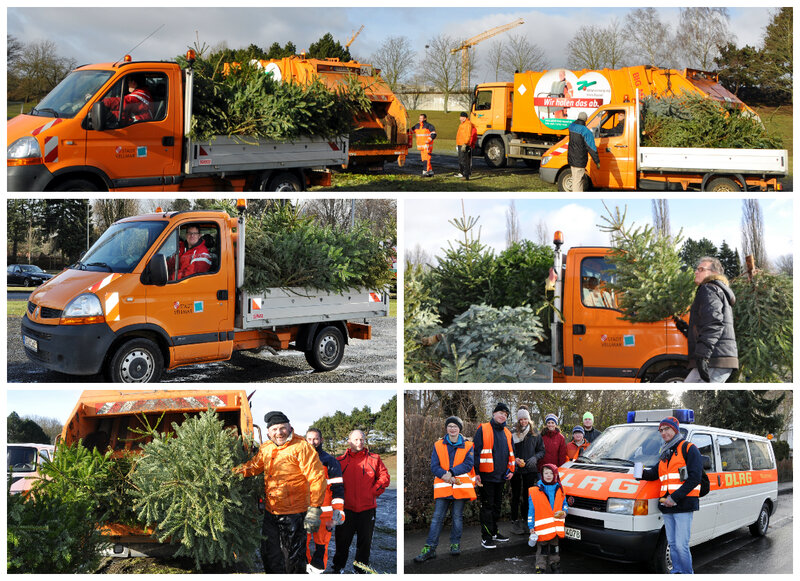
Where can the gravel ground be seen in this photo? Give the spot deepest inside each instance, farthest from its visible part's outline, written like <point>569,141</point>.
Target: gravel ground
<point>373,361</point>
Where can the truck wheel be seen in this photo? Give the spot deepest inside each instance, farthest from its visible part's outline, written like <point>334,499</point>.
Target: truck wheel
<point>76,185</point>
<point>672,375</point>
<point>722,185</point>
<point>759,528</point>
<point>661,562</point>
<point>327,350</point>
<point>137,361</point>
<point>494,152</point>
<point>285,182</point>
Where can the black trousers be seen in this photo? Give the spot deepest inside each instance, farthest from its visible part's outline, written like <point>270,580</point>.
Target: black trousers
<point>361,524</point>
<point>520,484</point>
<point>491,502</point>
<point>465,160</point>
<point>283,532</point>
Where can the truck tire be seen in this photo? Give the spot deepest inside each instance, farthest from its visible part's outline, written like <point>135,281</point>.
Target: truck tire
<point>672,375</point>
<point>759,528</point>
<point>661,561</point>
<point>77,185</point>
<point>326,350</point>
<point>722,185</point>
<point>285,182</point>
<point>494,152</point>
<point>136,361</point>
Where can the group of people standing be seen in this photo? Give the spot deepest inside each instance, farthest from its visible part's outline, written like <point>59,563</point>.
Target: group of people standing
<point>526,458</point>
<point>466,139</point>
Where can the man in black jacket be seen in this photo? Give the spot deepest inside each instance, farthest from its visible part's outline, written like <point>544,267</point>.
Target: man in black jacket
<point>713,354</point>
<point>581,146</point>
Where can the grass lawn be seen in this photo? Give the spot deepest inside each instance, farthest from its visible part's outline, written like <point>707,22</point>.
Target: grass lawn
<point>393,308</point>
<point>16,308</point>
<point>482,180</point>
<point>12,110</point>
<point>779,120</point>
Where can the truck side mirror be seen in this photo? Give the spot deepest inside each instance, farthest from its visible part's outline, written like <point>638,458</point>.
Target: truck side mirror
<point>98,116</point>
<point>156,271</point>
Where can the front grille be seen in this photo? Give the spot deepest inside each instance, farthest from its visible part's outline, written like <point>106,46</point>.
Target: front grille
<point>574,521</point>
<point>31,307</point>
<point>587,503</point>
<point>48,313</point>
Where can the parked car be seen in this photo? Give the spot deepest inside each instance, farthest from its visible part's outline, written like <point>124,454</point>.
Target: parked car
<point>26,275</point>
<point>23,462</point>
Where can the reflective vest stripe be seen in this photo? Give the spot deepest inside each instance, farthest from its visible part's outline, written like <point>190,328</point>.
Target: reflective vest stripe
<point>338,480</point>
<point>486,463</point>
<point>669,475</point>
<point>545,524</point>
<point>465,487</point>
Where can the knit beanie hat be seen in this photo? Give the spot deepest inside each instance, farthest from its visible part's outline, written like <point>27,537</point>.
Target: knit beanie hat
<point>273,418</point>
<point>501,407</point>
<point>549,417</point>
<point>671,422</point>
<point>523,413</point>
<point>588,416</point>
<point>579,429</point>
<point>454,420</point>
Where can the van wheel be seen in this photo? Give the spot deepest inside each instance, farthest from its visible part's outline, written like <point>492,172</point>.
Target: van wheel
<point>662,560</point>
<point>722,185</point>
<point>285,182</point>
<point>327,350</point>
<point>136,361</point>
<point>77,185</point>
<point>494,152</point>
<point>564,181</point>
<point>672,375</point>
<point>759,528</point>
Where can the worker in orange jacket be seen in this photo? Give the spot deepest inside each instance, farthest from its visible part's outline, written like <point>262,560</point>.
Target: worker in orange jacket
<point>425,133</point>
<point>294,487</point>
<point>332,507</point>
<point>466,138</point>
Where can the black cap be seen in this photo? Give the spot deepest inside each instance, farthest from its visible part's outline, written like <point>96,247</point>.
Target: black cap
<point>463,114</point>
<point>501,407</point>
<point>274,418</point>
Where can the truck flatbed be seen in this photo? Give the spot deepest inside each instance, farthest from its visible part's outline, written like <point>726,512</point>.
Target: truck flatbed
<point>744,161</point>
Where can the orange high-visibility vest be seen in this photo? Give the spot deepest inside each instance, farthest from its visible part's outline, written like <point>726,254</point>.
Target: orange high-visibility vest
<point>670,477</point>
<point>545,524</point>
<point>330,503</point>
<point>486,463</point>
<point>464,133</point>
<point>466,482</point>
<point>577,450</point>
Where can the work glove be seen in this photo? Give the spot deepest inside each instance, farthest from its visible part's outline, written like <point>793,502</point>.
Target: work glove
<point>702,369</point>
<point>532,539</point>
<point>337,517</point>
<point>313,519</point>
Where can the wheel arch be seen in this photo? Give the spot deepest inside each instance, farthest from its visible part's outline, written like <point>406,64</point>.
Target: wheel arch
<point>143,331</point>
<point>81,172</point>
<point>737,177</point>
<point>659,363</point>
<point>305,338</point>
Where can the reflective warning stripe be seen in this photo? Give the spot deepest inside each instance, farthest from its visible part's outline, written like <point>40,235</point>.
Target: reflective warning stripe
<point>336,480</point>
<point>112,307</point>
<point>255,304</point>
<point>105,282</point>
<point>172,403</point>
<point>46,126</point>
<point>51,149</point>
<point>559,151</point>
<point>375,298</point>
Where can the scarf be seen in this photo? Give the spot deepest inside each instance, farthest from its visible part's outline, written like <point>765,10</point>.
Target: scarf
<point>667,447</point>
<point>518,436</point>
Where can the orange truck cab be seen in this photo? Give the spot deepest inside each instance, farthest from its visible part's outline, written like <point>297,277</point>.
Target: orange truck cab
<point>593,343</point>
<point>137,304</point>
<point>615,516</point>
<point>124,126</point>
<point>109,419</point>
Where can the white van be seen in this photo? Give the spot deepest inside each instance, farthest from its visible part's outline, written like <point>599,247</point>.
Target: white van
<point>23,461</point>
<point>614,516</point>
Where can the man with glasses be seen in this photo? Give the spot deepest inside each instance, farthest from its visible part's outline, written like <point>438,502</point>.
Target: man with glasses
<point>713,355</point>
<point>194,256</point>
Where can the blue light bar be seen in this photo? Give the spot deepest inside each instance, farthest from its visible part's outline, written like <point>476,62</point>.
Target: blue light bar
<point>684,416</point>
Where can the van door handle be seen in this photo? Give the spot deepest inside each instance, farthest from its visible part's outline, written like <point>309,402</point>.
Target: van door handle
<point>578,329</point>
<point>168,141</point>
<point>222,295</point>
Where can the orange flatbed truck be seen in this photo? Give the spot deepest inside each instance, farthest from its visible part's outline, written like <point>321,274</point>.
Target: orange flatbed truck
<point>126,310</point>
<point>74,141</point>
<point>109,418</point>
<point>593,343</point>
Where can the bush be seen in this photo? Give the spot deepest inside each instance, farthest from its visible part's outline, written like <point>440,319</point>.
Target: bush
<point>785,470</point>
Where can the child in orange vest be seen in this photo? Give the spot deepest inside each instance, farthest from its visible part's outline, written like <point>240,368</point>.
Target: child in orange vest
<point>547,508</point>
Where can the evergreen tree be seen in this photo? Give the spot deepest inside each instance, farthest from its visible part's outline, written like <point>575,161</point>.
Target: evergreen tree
<point>25,431</point>
<point>776,64</point>
<point>692,251</point>
<point>66,222</point>
<point>744,410</point>
<point>386,419</point>
<point>326,47</point>
<point>730,260</point>
<point>276,52</point>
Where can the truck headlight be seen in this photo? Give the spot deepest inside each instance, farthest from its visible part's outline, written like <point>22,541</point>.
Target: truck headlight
<point>546,159</point>
<point>620,506</point>
<point>84,309</point>
<point>23,148</point>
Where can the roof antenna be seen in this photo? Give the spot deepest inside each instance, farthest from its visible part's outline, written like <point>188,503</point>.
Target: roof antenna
<point>140,44</point>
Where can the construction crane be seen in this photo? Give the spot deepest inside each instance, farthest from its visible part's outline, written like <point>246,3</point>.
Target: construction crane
<point>354,37</point>
<point>468,44</point>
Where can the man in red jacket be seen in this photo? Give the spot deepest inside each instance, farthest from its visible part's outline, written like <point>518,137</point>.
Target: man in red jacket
<point>194,257</point>
<point>365,479</point>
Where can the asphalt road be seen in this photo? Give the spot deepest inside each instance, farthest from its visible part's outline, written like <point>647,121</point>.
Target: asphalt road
<point>373,361</point>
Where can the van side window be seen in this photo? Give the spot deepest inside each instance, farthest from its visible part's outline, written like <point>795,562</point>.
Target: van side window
<point>45,454</point>
<point>705,444</point>
<point>192,250</point>
<point>733,454</point>
<point>759,452</point>
<point>596,274</point>
<point>612,124</point>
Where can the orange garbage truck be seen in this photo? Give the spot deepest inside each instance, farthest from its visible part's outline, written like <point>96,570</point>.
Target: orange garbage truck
<point>83,137</point>
<point>523,119</point>
<point>109,419</point>
<point>130,309</point>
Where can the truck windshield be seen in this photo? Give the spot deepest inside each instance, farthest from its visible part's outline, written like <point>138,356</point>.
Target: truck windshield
<point>624,445</point>
<point>121,247</point>
<point>71,94</point>
<point>21,459</point>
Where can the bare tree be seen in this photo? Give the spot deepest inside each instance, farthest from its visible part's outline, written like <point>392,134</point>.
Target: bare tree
<point>381,214</point>
<point>649,38</point>
<point>700,32</point>
<point>329,212</point>
<point>616,44</point>
<point>441,68</point>
<point>661,217</point>
<point>543,235</point>
<point>522,55</point>
<point>753,233</point>
<point>785,264</point>
<point>40,68</point>
<point>494,56</point>
<point>419,256</point>
<point>586,50</point>
<point>395,58</point>
<point>512,224</point>
<point>106,212</point>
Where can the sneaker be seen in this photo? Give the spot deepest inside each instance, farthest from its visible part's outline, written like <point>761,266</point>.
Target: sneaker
<point>500,538</point>
<point>488,544</point>
<point>424,173</point>
<point>430,174</point>
<point>460,175</point>
<point>427,552</point>
<point>455,549</point>
<point>312,570</point>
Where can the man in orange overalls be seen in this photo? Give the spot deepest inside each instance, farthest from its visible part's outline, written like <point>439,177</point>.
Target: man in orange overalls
<point>425,133</point>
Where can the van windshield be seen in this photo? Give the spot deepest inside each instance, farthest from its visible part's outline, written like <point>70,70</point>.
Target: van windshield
<point>625,445</point>
<point>121,247</point>
<point>71,94</point>
<point>21,459</point>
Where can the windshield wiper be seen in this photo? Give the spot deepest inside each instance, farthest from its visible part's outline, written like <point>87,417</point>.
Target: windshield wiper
<point>622,460</point>
<point>79,266</point>
<point>103,264</point>
<point>47,109</point>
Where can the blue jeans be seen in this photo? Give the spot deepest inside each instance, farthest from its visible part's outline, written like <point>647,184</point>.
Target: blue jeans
<point>678,526</point>
<point>437,522</point>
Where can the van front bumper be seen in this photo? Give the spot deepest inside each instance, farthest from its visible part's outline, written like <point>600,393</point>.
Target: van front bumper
<point>70,349</point>
<point>616,545</point>
<point>548,174</point>
<point>28,178</point>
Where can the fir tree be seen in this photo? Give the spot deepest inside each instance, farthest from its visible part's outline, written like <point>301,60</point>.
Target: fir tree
<point>744,410</point>
<point>730,260</point>
<point>692,251</point>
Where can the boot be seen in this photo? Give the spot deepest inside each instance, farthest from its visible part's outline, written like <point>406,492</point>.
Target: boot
<point>427,552</point>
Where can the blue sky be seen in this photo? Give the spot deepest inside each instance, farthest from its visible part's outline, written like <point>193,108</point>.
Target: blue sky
<point>85,33</point>
<point>719,219</point>
<point>302,406</point>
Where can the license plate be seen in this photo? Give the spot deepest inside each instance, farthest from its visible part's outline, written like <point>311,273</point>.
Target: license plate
<point>574,534</point>
<point>31,344</point>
